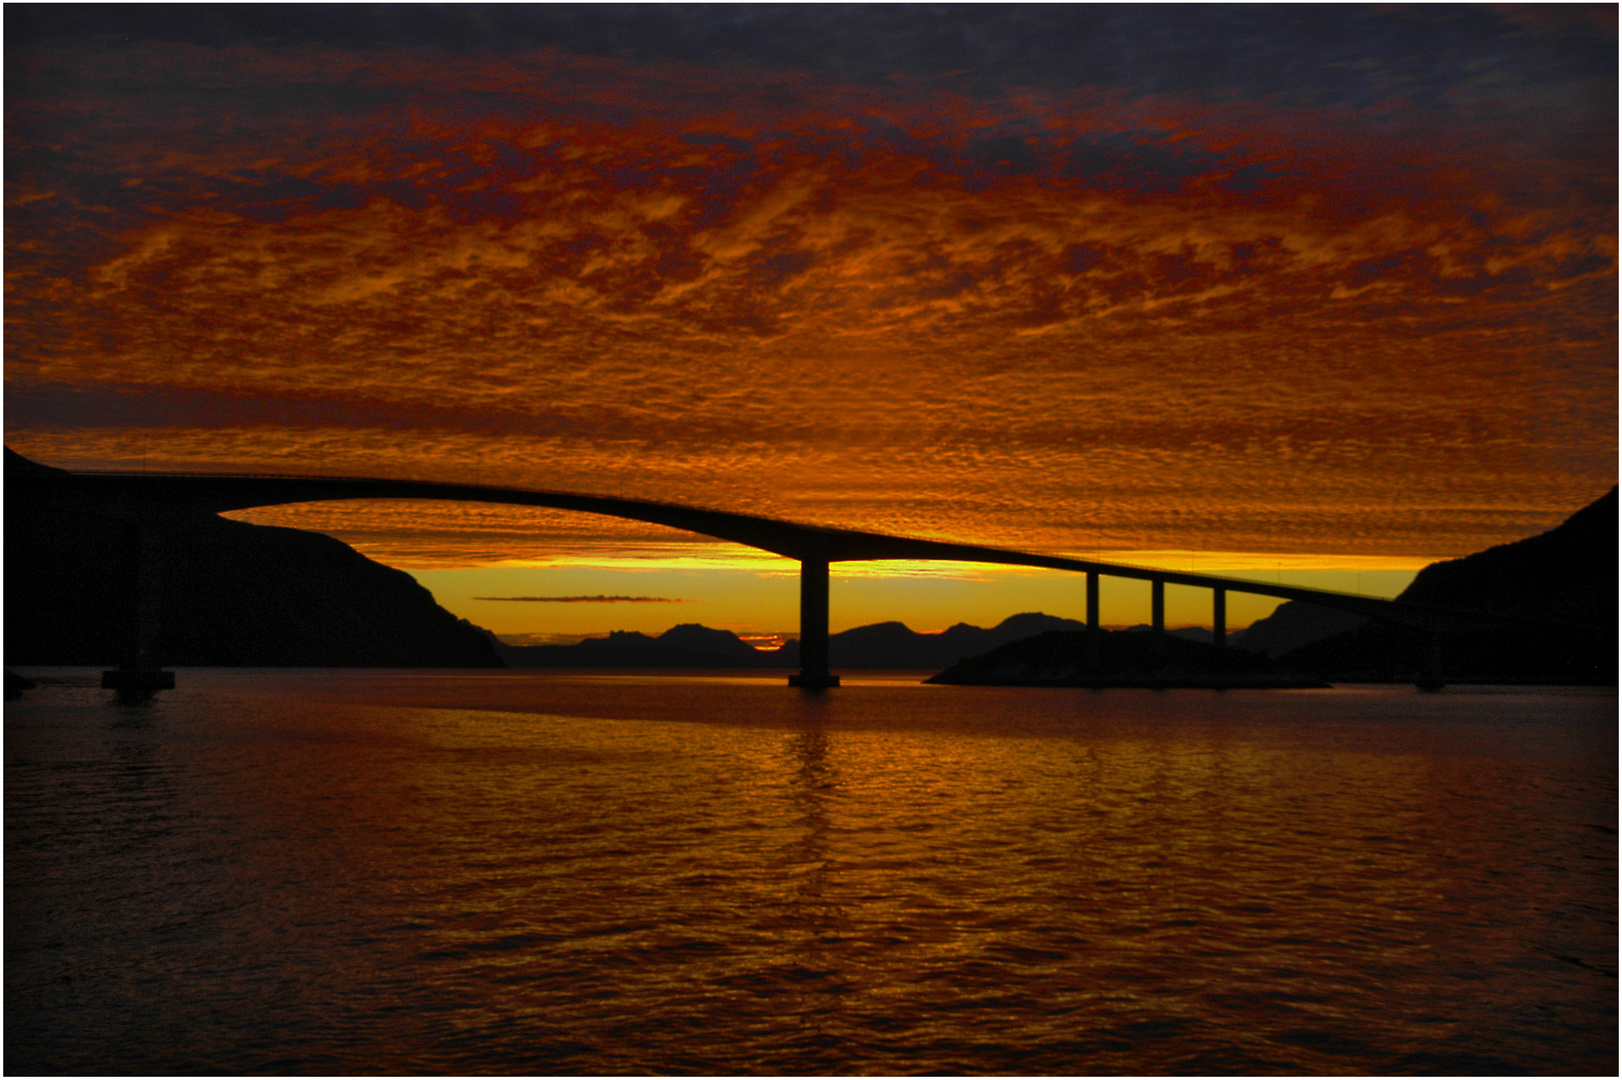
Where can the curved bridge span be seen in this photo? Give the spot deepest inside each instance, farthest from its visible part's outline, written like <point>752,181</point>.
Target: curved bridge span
<point>136,497</point>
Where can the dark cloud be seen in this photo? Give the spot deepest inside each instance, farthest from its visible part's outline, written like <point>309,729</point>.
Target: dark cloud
<point>1305,54</point>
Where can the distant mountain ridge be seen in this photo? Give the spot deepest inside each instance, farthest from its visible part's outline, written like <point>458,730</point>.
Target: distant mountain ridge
<point>686,646</point>
<point>890,645</point>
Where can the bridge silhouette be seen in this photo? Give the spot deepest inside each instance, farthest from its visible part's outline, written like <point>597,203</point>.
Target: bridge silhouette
<point>140,500</point>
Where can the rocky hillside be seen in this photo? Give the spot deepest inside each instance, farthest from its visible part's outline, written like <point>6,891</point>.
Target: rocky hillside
<point>1568,573</point>
<point>1566,577</point>
<point>233,595</point>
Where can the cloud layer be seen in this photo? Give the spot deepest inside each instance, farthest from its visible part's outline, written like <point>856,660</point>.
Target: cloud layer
<point>1287,290</point>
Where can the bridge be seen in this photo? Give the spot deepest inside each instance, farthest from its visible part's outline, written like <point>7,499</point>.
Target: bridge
<point>140,500</point>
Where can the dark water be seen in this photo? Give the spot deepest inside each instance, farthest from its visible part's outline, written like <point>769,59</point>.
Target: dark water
<point>351,872</point>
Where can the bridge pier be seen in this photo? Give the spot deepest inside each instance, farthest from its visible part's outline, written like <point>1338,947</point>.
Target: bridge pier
<point>1094,631</point>
<point>1157,616</point>
<point>139,673</point>
<point>814,673</point>
<point>1219,622</point>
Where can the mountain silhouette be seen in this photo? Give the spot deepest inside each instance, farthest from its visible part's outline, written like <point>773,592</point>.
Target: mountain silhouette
<point>1568,573</point>
<point>886,645</point>
<point>233,594</point>
<point>686,646</point>
<point>894,645</point>
<point>1566,576</point>
<point>1293,624</point>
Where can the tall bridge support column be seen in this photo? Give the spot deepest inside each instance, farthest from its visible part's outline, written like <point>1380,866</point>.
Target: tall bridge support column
<point>1219,622</point>
<point>1157,616</point>
<point>813,627</point>
<point>1094,631</point>
<point>139,672</point>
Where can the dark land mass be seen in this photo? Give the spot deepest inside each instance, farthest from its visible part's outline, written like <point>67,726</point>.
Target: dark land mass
<point>893,645</point>
<point>1293,624</point>
<point>887,645</point>
<point>1566,577</point>
<point>1059,658</point>
<point>234,595</point>
<point>686,646</point>
<point>16,684</point>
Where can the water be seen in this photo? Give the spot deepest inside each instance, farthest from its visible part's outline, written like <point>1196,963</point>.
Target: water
<point>532,872</point>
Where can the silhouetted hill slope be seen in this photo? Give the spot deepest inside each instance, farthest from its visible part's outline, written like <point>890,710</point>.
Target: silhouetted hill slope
<point>1568,574</point>
<point>234,595</point>
<point>15,463</point>
<point>1293,624</point>
<point>879,645</point>
<point>1126,658</point>
<point>1201,634</point>
<point>894,645</point>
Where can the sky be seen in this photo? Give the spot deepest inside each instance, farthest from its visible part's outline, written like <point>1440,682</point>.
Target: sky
<point>1308,293</point>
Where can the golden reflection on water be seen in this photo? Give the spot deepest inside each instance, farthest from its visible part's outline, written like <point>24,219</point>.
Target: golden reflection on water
<point>560,875</point>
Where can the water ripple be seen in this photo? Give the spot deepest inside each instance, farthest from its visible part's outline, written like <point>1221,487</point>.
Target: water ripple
<point>329,872</point>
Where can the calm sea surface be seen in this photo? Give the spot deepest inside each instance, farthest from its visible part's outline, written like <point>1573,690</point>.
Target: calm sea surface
<point>466,872</point>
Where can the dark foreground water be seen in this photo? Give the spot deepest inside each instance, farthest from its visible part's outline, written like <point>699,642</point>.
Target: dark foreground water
<point>465,872</point>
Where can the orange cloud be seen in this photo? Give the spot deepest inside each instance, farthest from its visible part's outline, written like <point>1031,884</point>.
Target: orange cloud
<point>1057,319</point>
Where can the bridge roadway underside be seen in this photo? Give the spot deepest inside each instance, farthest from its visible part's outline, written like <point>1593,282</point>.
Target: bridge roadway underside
<point>140,499</point>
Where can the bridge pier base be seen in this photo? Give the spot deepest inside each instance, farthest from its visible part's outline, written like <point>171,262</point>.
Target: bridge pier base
<point>139,674</point>
<point>814,674</point>
<point>137,680</point>
<point>1219,624</point>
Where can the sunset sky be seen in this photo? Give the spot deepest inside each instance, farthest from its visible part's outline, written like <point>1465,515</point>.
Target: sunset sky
<point>1320,293</point>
